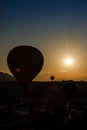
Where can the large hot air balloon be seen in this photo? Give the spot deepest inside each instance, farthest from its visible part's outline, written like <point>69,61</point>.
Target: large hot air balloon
<point>25,62</point>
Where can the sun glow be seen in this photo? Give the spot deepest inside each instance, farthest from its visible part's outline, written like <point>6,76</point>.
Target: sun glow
<point>69,61</point>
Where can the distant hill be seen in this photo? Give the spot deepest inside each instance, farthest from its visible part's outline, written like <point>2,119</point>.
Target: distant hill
<point>6,77</point>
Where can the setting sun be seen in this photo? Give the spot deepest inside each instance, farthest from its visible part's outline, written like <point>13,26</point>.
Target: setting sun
<point>68,61</point>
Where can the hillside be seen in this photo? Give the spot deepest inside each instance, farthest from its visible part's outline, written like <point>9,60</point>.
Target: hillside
<point>6,77</point>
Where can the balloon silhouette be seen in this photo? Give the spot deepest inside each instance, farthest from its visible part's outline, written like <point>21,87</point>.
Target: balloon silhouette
<point>69,88</point>
<point>52,77</point>
<point>25,62</point>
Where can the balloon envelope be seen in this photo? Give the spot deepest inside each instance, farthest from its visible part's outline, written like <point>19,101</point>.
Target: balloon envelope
<point>52,77</point>
<point>69,88</point>
<point>25,62</point>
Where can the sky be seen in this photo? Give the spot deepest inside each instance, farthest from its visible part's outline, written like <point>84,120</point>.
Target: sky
<point>58,28</point>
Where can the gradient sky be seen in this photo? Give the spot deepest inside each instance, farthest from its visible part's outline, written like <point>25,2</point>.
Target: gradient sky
<point>58,28</point>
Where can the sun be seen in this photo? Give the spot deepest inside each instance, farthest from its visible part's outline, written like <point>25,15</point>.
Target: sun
<point>69,61</point>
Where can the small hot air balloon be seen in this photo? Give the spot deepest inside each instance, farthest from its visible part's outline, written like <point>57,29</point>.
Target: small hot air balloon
<point>52,78</point>
<point>25,62</point>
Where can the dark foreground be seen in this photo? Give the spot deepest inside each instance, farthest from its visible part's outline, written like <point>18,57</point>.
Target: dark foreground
<point>43,106</point>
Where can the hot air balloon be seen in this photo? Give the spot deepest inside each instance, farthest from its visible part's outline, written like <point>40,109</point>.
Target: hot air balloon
<point>52,77</point>
<point>69,88</point>
<point>25,62</point>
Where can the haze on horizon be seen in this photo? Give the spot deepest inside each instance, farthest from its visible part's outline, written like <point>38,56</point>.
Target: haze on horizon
<point>57,28</point>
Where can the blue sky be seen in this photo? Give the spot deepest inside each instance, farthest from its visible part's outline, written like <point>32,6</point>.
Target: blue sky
<point>54,27</point>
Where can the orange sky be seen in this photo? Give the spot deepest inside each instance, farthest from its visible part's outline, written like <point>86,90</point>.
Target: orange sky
<point>57,28</point>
